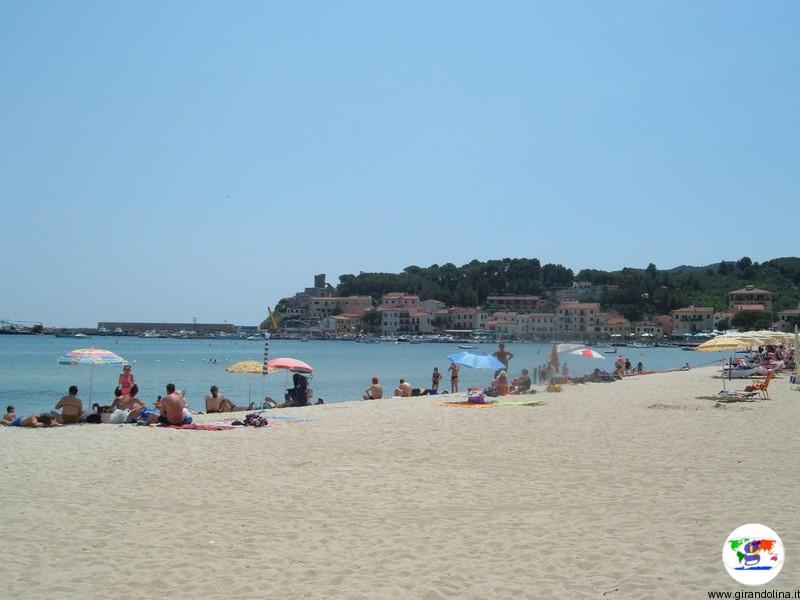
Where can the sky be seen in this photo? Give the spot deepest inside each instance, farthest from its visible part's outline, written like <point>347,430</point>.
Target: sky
<point>164,161</point>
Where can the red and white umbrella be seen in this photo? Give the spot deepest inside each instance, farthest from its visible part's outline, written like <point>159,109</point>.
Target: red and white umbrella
<point>290,364</point>
<point>588,353</point>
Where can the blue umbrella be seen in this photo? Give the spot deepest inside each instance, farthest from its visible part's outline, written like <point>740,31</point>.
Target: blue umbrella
<point>476,360</point>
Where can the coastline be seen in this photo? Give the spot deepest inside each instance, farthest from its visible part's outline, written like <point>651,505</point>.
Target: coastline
<point>603,489</point>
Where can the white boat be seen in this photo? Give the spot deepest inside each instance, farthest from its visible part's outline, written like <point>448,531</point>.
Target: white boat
<point>468,346</point>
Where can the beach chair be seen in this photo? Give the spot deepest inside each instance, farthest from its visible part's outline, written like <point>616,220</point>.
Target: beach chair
<point>762,386</point>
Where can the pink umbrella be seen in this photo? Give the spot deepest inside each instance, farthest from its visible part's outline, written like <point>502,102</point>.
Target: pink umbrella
<point>587,353</point>
<point>290,364</point>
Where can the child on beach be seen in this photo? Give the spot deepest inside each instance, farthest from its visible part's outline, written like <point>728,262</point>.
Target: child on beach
<point>11,413</point>
<point>435,379</point>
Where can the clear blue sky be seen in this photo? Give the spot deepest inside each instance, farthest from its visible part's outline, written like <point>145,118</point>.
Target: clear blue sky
<point>168,160</point>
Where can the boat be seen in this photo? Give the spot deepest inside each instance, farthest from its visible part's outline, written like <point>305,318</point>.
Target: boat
<point>468,346</point>
<point>688,348</point>
<point>611,350</point>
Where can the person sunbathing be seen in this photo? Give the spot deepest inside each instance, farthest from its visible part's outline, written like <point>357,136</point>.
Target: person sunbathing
<point>173,409</point>
<point>218,403</point>
<point>521,384</point>
<point>71,407</point>
<point>500,383</point>
<point>374,391</point>
<point>403,390</point>
<point>42,420</point>
<point>131,403</point>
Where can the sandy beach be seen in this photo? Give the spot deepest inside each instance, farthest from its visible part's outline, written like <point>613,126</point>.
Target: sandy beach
<point>620,490</point>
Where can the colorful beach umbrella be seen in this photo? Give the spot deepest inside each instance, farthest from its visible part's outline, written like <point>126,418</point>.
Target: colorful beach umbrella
<point>588,353</point>
<point>91,357</point>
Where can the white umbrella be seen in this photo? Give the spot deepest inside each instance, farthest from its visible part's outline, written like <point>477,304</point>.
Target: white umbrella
<point>588,353</point>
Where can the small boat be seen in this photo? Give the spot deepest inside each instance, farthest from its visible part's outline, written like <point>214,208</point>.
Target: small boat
<point>468,346</point>
<point>688,348</point>
<point>611,350</point>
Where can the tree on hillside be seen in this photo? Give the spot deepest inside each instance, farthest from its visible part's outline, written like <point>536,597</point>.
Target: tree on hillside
<point>749,319</point>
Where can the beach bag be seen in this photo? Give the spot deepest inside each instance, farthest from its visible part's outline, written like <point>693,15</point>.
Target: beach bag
<point>476,398</point>
<point>119,416</point>
<point>255,420</point>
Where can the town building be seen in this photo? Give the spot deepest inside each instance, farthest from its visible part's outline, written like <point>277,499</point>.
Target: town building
<point>692,319</point>
<point>325,306</point>
<point>789,317</point>
<point>665,322</point>
<point>750,298</point>
<point>651,330</point>
<point>515,303</point>
<point>577,319</point>
<point>465,318</point>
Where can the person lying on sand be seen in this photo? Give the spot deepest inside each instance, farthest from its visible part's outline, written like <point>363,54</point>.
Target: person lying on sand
<point>42,420</point>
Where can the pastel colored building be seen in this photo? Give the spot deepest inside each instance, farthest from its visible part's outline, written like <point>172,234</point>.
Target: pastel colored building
<point>692,319</point>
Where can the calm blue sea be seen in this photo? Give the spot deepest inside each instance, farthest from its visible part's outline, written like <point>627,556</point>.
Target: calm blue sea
<point>33,381</point>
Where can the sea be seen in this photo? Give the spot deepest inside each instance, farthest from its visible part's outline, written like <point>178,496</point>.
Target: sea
<point>32,380</point>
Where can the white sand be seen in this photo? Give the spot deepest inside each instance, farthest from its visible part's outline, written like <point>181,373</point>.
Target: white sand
<point>623,490</point>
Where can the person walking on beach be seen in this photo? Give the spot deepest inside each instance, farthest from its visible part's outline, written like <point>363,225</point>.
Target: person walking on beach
<point>453,368</point>
<point>436,377</point>
<point>126,380</point>
<point>374,391</point>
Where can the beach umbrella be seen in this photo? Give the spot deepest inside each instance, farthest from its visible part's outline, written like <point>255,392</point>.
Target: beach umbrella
<point>91,357</point>
<point>476,360</point>
<point>588,353</point>
<point>561,348</point>
<point>725,342</point>
<point>248,367</point>
<point>290,364</point>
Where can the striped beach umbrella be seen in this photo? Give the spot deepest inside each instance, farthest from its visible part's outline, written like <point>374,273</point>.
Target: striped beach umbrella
<point>91,357</point>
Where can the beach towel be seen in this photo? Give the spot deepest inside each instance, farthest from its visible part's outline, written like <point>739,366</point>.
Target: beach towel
<point>200,427</point>
<point>494,403</point>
